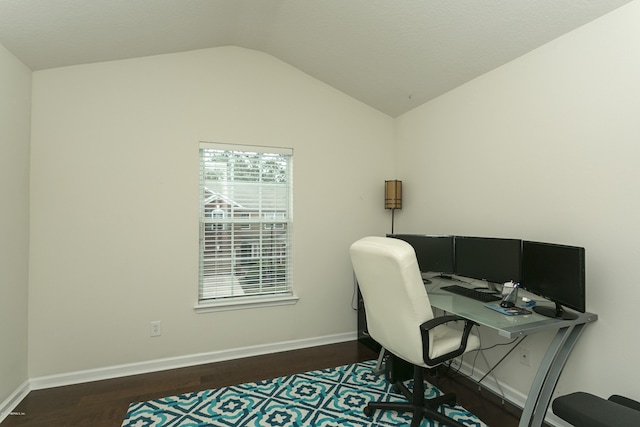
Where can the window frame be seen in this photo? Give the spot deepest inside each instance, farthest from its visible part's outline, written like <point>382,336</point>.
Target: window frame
<point>247,220</point>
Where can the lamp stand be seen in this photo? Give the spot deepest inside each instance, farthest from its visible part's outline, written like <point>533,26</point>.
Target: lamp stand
<point>393,198</point>
<point>392,219</point>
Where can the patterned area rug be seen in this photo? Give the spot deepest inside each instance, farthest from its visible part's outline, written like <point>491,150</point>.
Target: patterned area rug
<point>332,397</point>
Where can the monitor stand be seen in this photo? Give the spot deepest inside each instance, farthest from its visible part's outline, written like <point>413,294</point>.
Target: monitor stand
<point>556,312</point>
<point>425,278</point>
<point>490,289</point>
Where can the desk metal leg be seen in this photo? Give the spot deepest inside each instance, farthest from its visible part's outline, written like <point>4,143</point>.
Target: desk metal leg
<point>548,374</point>
<point>554,374</point>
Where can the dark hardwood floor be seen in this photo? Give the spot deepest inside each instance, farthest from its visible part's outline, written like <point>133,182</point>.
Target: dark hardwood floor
<point>105,403</point>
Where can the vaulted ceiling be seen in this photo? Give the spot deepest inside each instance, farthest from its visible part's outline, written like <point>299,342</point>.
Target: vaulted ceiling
<point>391,54</point>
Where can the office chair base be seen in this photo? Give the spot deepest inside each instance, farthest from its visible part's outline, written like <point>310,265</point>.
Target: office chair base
<point>417,404</point>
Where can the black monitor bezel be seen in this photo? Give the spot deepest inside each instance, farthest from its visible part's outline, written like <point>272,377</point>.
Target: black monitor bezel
<point>491,276</point>
<point>579,298</point>
<point>423,237</point>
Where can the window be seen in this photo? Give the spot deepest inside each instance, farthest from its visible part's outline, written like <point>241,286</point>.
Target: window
<point>245,224</point>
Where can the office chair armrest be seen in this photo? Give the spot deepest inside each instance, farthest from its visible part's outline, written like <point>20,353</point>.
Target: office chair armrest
<point>437,321</point>
<point>430,324</point>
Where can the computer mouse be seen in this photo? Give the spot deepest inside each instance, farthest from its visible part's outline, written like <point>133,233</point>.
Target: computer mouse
<point>506,304</point>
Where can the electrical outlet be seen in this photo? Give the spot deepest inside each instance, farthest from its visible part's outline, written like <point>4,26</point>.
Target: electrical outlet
<point>525,356</point>
<point>156,328</point>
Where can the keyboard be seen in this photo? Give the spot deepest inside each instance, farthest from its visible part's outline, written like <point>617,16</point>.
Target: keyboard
<point>471,293</point>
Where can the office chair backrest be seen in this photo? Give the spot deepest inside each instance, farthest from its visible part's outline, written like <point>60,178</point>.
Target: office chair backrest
<point>395,300</point>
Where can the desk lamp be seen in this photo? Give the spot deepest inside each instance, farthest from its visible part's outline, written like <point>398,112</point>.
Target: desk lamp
<point>392,197</point>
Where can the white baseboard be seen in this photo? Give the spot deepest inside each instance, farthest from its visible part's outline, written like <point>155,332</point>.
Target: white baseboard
<point>10,403</point>
<point>118,371</point>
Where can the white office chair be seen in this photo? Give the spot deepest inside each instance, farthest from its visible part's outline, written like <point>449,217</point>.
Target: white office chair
<point>400,318</point>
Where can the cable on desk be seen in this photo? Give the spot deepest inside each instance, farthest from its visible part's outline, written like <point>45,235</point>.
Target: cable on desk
<point>503,357</point>
<point>500,344</point>
<point>479,351</point>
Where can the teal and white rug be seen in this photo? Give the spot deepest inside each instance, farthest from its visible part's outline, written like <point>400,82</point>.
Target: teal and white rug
<point>332,397</point>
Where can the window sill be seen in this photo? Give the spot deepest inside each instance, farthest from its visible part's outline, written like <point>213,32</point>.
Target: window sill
<point>244,303</point>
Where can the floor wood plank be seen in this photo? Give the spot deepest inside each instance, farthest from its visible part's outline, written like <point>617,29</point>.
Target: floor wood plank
<point>105,403</point>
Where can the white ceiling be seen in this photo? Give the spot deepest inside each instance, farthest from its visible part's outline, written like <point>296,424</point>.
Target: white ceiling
<point>391,54</point>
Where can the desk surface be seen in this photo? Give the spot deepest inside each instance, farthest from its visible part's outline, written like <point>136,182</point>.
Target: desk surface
<point>506,326</point>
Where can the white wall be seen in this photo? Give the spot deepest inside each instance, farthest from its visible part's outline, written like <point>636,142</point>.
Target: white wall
<point>543,148</point>
<point>15,106</point>
<point>546,148</point>
<point>114,202</point>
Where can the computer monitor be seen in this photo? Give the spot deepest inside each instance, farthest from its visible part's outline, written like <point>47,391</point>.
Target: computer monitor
<point>495,260</point>
<point>555,272</point>
<point>434,253</point>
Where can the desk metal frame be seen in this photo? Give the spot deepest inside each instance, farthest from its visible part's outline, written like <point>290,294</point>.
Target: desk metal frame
<point>546,379</point>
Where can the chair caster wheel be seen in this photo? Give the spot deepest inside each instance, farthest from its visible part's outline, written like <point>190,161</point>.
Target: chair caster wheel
<point>368,411</point>
<point>395,389</point>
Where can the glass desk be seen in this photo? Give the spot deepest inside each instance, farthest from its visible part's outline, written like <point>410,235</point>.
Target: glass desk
<point>546,378</point>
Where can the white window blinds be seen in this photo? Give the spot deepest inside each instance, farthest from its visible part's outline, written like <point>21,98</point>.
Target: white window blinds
<point>245,221</point>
